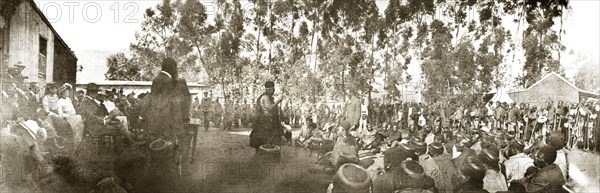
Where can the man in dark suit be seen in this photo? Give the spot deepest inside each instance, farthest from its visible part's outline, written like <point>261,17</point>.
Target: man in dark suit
<point>205,109</point>
<point>228,113</point>
<point>166,112</point>
<point>97,120</point>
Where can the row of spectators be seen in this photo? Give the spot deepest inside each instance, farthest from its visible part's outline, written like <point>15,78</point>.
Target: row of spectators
<point>496,148</point>
<point>38,127</point>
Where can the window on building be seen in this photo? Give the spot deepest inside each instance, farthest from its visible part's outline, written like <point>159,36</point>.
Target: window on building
<point>42,57</point>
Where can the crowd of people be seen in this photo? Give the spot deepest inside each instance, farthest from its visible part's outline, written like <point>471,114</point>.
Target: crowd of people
<point>454,147</point>
<point>51,123</point>
<point>402,147</point>
<point>52,132</point>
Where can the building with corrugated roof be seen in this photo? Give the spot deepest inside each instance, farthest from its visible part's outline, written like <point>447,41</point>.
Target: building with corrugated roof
<point>552,87</point>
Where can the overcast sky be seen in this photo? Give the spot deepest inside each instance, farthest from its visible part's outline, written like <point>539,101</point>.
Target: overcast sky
<point>111,25</point>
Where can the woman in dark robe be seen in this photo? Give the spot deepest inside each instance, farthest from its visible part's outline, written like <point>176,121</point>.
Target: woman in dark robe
<point>267,128</point>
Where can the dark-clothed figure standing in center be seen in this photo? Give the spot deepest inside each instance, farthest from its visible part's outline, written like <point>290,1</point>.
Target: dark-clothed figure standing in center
<point>166,113</point>
<point>267,128</point>
<point>169,102</point>
<point>205,109</point>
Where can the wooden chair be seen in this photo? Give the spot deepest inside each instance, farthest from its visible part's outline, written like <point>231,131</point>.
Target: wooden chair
<point>315,144</point>
<point>104,140</point>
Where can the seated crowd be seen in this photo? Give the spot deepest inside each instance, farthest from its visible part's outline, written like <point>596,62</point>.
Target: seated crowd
<point>438,159</point>
<point>56,123</point>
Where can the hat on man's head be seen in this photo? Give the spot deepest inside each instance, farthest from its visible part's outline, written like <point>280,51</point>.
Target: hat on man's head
<point>517,144</point>
<point>269,84</point>
<point>436,148</point>
<point>413,169</point>
<point>51,85</point>
<point>490,155</point>
<point>92,87</point>
<point>473,167</point>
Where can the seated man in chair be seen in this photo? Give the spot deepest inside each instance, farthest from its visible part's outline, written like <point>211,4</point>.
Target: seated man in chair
<point>305,132</point>
<point>97,120</point>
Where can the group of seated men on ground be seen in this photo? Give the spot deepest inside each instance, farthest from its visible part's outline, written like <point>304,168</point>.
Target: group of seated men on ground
<point>481,158</point>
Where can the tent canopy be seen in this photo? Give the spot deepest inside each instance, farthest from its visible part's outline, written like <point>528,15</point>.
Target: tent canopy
<point>502,96</point>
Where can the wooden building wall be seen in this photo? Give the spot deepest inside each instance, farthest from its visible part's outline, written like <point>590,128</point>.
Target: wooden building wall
<point>550,89</point>
<point>65,65</point>
<point>26,29</point>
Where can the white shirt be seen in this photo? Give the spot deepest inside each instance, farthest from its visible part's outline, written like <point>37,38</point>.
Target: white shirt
<point>516,166</point>
<point>110,106</point>
<point>369,136</point>
<point>494,181</point>
<point>561,161</point>
<point>50,103</point>
<point>66,106</point>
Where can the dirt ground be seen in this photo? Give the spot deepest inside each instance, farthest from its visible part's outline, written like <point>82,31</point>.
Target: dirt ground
<point>587,164</point>
<point>225,163</point>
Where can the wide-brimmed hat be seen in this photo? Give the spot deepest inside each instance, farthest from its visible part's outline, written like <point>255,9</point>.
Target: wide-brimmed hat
<point>474,166</point>
<point>413,169</point>
<point>436,148</point>
<point>51,84</point>
<point>394,156</point>
<point>490,154</point>
<point>160,144</point>
<point>92,87</point>
<point>351,177</point>
<point>406,147</point>
<point>34,130</point>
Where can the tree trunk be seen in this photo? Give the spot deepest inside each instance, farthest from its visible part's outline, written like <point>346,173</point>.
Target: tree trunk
<point>4,53</point>
<point>313,37</point>
<point>269,39</point>
<point>259,31</point>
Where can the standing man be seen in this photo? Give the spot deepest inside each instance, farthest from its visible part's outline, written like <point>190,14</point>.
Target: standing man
<point>196,108</point>
<point>228,114</point>
<point>267,128</point>
<point>166,113</point>
<point>351,112</point>
<point>364,113</point>
<point>306,110</point>
<point>205,109</point>
<point>217,112</point>
<point>551,115</point>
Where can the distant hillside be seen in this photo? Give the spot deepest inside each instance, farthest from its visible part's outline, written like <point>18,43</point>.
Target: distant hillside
<point>94,64</point>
